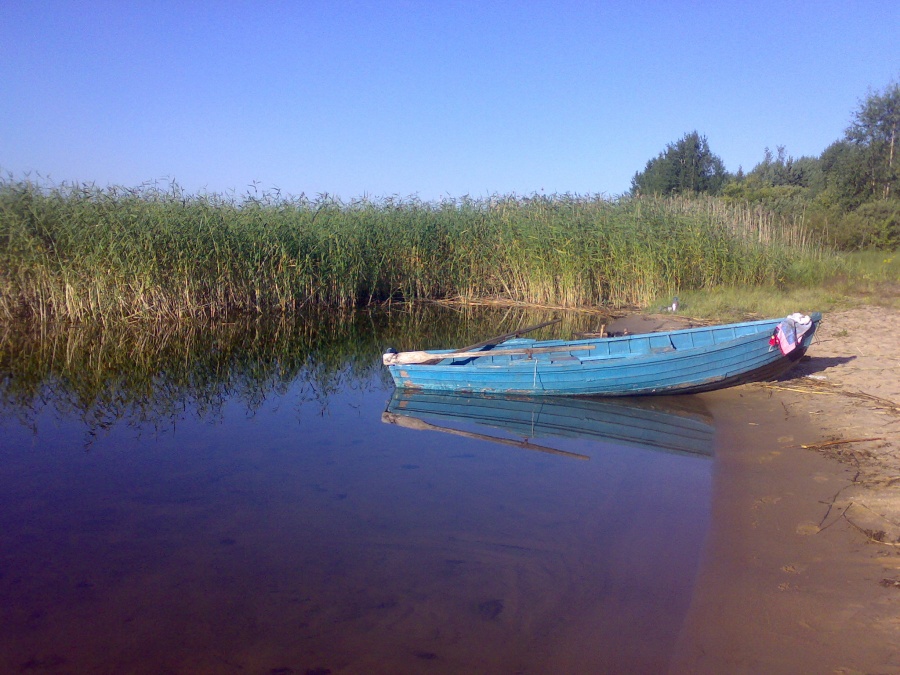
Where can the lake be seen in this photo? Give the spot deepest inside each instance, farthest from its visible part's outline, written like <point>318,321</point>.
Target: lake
<point>254,498</point>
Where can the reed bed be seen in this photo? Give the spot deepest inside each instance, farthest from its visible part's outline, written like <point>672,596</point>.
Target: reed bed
<point>84,253</point>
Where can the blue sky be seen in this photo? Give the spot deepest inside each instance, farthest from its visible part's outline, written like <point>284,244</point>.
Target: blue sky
<point>435,99</point>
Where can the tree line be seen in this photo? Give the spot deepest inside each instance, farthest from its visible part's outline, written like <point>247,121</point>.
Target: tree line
<point>849,195</point>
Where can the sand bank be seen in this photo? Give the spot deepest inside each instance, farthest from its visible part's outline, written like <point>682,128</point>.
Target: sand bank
<point>802,566</point>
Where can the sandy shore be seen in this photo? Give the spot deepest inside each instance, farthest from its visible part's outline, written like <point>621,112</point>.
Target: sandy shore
<point>802,565</point>
<point>852,393</point>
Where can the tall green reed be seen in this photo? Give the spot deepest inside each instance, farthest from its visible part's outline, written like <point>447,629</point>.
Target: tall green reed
<point>81,252</point>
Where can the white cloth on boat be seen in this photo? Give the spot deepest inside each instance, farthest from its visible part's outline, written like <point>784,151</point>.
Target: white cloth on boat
<point>791,330</point>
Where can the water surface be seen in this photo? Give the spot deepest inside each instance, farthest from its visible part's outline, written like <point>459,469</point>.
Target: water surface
<point>243,507</point>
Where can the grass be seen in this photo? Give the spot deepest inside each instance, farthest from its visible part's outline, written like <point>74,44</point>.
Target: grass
<point>83,253</point>
<point>844,281</point>
<point>731,303</point>
<point>870,277</point>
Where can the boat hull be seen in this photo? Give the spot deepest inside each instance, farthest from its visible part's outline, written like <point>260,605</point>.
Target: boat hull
<point>682,361</point>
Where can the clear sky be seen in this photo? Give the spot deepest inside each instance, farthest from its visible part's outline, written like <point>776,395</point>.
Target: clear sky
<point>428,98</point>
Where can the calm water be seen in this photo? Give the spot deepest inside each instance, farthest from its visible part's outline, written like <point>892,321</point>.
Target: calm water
<point>273,519</point>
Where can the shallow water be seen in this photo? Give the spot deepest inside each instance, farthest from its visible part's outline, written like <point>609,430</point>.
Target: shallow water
<point>290,532</point>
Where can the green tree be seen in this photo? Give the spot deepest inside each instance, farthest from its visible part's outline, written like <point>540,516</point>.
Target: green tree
<point>775,171</point>
<point>684,167</point>
<point>875,132</point>
<point>844,167</point>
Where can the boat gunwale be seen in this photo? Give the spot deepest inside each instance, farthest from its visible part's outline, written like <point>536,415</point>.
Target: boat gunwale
<point>545,359</point>
<point>564,345</point>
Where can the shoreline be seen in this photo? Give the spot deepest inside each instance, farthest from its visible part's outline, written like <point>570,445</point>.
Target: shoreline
<point>801,567</point>
<point>852,397</point>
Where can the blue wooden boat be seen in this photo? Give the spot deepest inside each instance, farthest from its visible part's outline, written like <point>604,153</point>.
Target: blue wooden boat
<point>679,425</point>
<point>680,361</point>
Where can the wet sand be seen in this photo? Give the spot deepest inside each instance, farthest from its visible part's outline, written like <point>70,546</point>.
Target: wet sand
<point>801,570</point>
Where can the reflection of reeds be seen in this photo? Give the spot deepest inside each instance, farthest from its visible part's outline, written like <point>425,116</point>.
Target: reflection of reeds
<point>159,372</point>
<point>81,252</point>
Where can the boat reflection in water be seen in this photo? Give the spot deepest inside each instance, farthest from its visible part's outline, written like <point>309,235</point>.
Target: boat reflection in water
<point>674,425</point>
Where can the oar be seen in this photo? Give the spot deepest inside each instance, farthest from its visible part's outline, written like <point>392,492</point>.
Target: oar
<point>428,359</point>
<point>500,338</point>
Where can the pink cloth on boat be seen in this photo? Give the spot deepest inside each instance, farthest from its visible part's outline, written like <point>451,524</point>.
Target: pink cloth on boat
<point>790,332</point>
